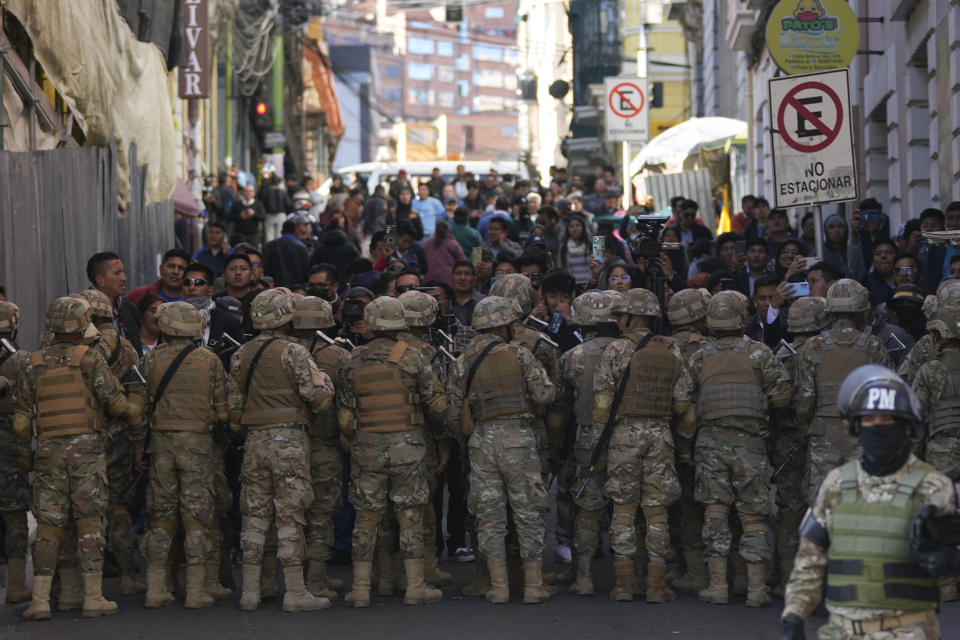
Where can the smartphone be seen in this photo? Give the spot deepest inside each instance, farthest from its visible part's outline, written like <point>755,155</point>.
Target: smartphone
<point>812,260</point>
<point>741,247</point>
<point>476,256</point>
<point>599,248</point>
<point>800,289</point>
<point>391,236</point>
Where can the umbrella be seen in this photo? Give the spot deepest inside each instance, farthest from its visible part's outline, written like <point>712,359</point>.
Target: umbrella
<point>675,144</point>
<point>183,201</point>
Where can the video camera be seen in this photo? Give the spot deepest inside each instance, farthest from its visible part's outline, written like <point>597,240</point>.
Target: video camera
<point>648,245</point>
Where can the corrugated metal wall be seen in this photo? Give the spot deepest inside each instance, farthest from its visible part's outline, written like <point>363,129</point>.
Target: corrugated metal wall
<point>59,207</point>
<point>693,184</point>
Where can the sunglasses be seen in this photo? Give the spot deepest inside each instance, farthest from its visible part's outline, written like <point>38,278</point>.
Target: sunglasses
<point>406,287</point>
<point>256,264</point>
<point>623,278</point>
<point>906,271</point>
<point>197,282</point>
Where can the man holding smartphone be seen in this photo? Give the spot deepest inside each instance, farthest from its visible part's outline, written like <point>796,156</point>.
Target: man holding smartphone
<point>868,225</point>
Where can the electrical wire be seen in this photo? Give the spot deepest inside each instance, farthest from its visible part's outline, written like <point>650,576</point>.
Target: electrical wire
<point>254,29</point>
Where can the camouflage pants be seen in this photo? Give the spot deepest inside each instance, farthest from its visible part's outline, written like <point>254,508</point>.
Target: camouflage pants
<point>14,493</point>
<point>691,511</point>
<point>326,476</point>
<point>387,469</point>
<point>505,469</point>
<point>791,494</point>
<point>732,472</point>
<point>830,445</point>
<point>70,481</point>
<point>591,504</point>
<point>276,490</point>
<point>929,629</point>
<point>121,484</point>
<point>180,490</point>
<point>640,474</point>
<point>943,452</point>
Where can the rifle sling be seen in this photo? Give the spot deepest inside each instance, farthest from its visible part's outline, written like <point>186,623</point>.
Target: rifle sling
<point>168,375</point>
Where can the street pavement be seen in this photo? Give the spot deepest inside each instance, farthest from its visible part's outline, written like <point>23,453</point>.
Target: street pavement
<point>565,616</point>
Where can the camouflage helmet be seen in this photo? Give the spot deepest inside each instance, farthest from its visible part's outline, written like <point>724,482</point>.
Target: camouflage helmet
<point>385,314</point>
<point>517,287</point>
<point>272,308</point>
<point>638,302</point>
<point>727,311</point>
<point>808,315</point>
<point>948,294</point>
<point>873,389</point>
<point>312,313</point>
<point>847,296</point>
<point>687,306</point>
<point>68,315</point>
<point>9,317</point>
<point>495,311</point>
<point>420,309</point>
<point>180,319</point>
<point>945,322</point>
<point>98,301</point>
<point>583,308</point>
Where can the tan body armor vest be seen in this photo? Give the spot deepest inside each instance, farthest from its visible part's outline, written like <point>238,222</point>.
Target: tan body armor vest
<point>272,398</point>
<point>118,352</point>
<point>840,357</point>
<point>324,424</point>
<point>583,405</point>
<point>186,402</point>
<point>9,371</point>
<point>945,414</point>
<point>384,402</point>
<point>729,387</point>
<point>654,370</point>
<point>65,404</point>
<point>498,389</point>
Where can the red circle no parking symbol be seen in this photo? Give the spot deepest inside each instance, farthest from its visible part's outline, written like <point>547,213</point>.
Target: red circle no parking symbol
<point>820,129</point>
<point>626,100</point>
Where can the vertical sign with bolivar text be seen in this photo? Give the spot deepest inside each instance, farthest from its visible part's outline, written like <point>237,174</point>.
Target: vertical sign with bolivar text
<point>195,60</point>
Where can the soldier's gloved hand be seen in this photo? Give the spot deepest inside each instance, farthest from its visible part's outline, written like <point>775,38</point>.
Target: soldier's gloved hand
<point>25,463</point>
<point>941,562</point>
<point>791,628</point>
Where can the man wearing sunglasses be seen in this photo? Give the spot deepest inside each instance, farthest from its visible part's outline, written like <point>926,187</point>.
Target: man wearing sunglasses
<point>221,315</point>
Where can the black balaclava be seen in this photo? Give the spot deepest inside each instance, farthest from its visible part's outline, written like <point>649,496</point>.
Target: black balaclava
<point>885,448</point>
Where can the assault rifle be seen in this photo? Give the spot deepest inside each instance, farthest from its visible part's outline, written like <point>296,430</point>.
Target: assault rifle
<point>794,450</point>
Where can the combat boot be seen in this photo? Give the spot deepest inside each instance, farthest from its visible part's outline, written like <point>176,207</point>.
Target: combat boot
<point>717,592</point>
<point>250,587</point>
<point>584,583</point>
<point>211,581</point>
<point>432,574</point>
<point>533,590</point>
<point>695,577</point>
<point>757,595</point>
<point>268,578</point>
<point>157,594</point>
<point>417,591</point>
<point>359,597</point>
<point>39,608</point>
<point>94,604</point>
<point>71,595</point>
<point>623,590</point>
<point>129,585</point>
<point>296,597</point>
<point>948,590</point>
<point>499,590</point>
<point>657,590</point>
<point>17,590</point>
<point>481,583</point>
<point>317,580</point>
<point>387,574</point>
<point>197,596</point>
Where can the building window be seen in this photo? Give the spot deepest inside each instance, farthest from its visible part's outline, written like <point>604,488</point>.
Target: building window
<point>393,71</point>
<point>445,99</point>
<point>463,62</point>
<point>421,97</point>
<point>416,24</point>
<point>419,71</point>
<point>488,53</point>
<point>493,13</point>
<point>489,78</point>
<point>511,55</point>
<point>463,111</point>
<point>393,95</point>
<point>488,103</point>
<point>510,82</point>
<point>464,88</point>
<point>420,46</point>
<point>508,131</point>
<point>444,73</point>
<point>445,48</point>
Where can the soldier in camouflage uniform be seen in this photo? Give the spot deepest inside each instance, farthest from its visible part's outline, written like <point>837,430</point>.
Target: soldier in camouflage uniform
<point>806,318</point>
<point>121,357</point>
<point>421,311</point>
<point>181,451</point>
<point>311,317</point>
<point>687,313</point>
<point>382,392</point>
<point>64,388</point>
<point>727,386</point>
<point>15,461</point>
<point>924,350</point>
<point>274,388</point>
<point>593,313</point>
<point>855,540</point>
<point>494,389</point>
<point>826,360</point>
<point>640,459</point>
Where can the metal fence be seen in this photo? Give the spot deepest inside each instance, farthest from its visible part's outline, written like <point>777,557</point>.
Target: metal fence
<point>59,207</point>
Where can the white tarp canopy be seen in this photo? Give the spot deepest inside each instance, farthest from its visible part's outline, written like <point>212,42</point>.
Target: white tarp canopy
<point>671,148</point>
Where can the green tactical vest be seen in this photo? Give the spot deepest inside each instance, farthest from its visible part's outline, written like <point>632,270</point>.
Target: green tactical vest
<point>870,563</point>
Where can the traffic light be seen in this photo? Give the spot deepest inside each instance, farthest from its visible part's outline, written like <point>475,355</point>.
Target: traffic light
<point>262,115</point>
<point>656,97</point>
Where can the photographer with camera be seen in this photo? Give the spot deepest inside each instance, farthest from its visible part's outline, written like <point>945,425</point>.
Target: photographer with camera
<point>350,316</point>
